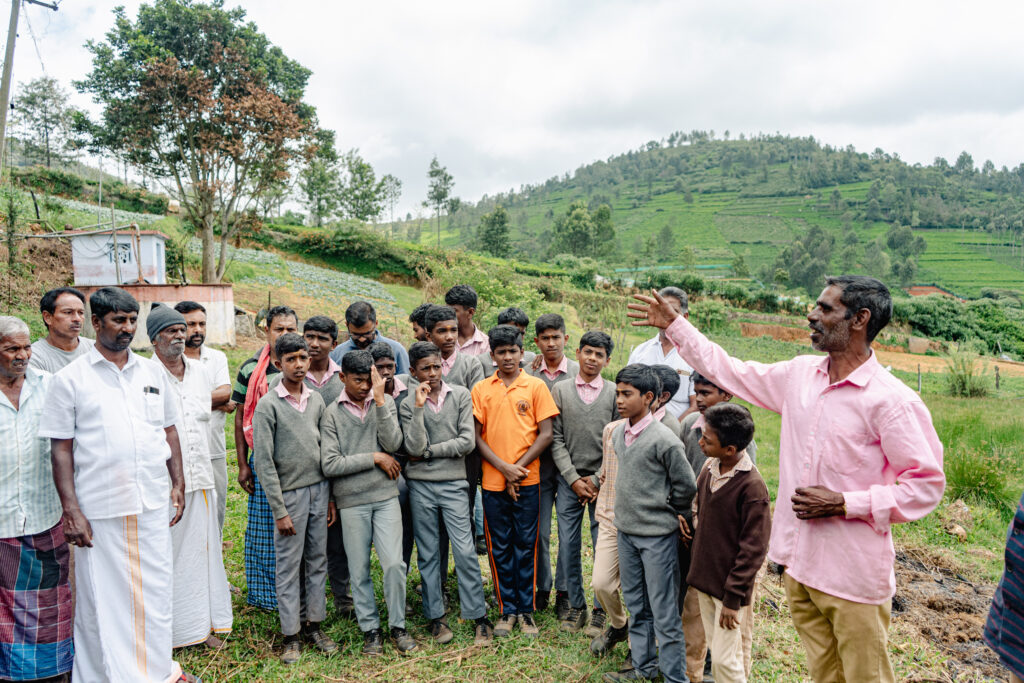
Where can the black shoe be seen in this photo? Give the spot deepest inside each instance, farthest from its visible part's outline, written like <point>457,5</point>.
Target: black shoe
<point>440,632</point>
<point>484,632</point>
<point>292,652</point>
<point>373,642</point>
<point>527,626</point>
<point>481,545</point>
<point>541,601</point>
<point>561,605</point>
<point>403,641</point>
<point>320,640</point>
<point>603,644</point>
<point>345,608</point>
<point>630,675</point>
<point>574,620</point>
<point>596,625</point>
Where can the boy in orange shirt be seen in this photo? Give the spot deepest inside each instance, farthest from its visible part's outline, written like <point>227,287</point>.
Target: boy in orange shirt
<point>513,412</point>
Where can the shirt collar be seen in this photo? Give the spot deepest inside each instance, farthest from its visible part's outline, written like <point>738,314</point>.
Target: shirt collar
<point>860,376</point>
<point>96,357</point>
<point>659,414</point>
<point>595,383</point>
<point>562,368</point>
<point>744,465</point>
<point>283,392</point>
<point>699,422</point>
<point>520,379</point>
<point>332,368</point>
<point>399,387</point>
<point>641,424</point>
<point>445,390</point>
<point>449,362</point>
<point>343,398</point>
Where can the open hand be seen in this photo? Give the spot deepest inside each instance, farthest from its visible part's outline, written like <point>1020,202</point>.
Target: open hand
<point>653,312</point>
<point>178,501</point>
<point>377,382</point>
<point>537,363</point>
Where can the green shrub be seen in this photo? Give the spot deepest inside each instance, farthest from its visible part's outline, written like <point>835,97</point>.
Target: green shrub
<point>966,376</point>
<point>709,315</point>
<point>979,477</point>
<point>49,180</point>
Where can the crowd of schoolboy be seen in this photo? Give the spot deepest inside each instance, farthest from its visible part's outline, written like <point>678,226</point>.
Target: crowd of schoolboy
<point>464,440</point>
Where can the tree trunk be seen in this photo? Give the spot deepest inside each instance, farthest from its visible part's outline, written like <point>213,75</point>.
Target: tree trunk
<point>209,239</point>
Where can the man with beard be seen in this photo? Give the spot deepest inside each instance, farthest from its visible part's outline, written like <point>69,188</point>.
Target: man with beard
<point>216,364</point>
<point>361,322</point>
<point>63,311</point>
<point>111,418</point>
<point>202,601</point>
<point>35,595</point>
<point>858,453</point>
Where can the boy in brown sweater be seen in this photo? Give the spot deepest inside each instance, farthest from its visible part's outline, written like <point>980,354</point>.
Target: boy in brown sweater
<point>732,523</point>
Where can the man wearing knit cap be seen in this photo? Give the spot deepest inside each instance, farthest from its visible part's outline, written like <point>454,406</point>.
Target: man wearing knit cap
<point>202,599</point>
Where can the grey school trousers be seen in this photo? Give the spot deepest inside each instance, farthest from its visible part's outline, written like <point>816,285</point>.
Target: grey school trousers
<point>570,540</point>
<point>378,525</point>
<point>307,507</point>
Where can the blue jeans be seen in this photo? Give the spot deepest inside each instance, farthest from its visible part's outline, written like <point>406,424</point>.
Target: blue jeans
<point>379,525</point>
<point>649,574</point>
<point>511,530</point>
<point>570,540</point>
<point>427,499</point>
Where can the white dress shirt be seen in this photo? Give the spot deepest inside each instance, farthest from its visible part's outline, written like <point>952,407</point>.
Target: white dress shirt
<point>117,418</point>
<point>651,353</point>
<point>216,364</point>
<point>193,396</point>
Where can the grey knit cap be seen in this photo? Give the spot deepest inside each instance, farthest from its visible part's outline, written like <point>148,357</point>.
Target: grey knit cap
<point>160,318</point>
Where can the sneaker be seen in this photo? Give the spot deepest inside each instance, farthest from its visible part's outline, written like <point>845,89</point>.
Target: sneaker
<point>561,605</point>
<point>603,644</point>
<point>505,625</point>
<point>528,626</point>
<point>345,608</point>
<point>373,642</point>
<point>575,619</point>
<point>321,641</point>
<point>481,545</point>
<point>440,631</point>
<point>596,625</point>
<point>629,675</point>
<point>292,652</point>
<point>541,601</point>
<point>403,641</point>
<point>484,633</point>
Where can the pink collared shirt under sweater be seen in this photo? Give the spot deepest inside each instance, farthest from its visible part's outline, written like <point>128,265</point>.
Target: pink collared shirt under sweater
<point>300,404</point>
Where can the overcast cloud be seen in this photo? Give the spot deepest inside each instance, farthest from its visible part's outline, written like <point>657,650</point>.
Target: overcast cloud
<point>513,93</point>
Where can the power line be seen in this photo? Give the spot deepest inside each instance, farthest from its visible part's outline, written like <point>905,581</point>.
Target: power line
<point>35,42</point>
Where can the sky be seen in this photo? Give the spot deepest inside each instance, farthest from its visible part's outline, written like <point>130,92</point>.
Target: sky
<point>513,93</point>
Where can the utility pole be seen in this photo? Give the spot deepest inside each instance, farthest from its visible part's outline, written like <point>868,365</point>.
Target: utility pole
<point>5,82</point>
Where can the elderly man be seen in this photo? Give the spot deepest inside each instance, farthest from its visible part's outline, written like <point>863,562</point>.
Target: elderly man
<point>216,364</point>
<point>63,311</point>
<point>660,351</point>
<point>361,322</point>
<point>858,453</point>
<point>202,600</point>
<point>35,595</point>
<point>111,418</point>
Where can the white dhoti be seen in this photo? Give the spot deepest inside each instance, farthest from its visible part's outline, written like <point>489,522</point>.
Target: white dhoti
<point>202,598</point>
<point>123,601</point>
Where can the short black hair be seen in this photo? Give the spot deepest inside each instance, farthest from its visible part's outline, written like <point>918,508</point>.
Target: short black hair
<point>642,377</point>
<point>461,295</point>
<point>732,423</point>
<point>380,350</point>
<point>548,321</point>
<point>357,362</point>
<point>676,293</point>
<point>184,307</point>
<point>513,316</point>
<point>504,335</point>
<point>289,343</point>
<point>48,302</point>
<point>698,378</point>
<point>861,291</point>
<point>359,313</point>
<point>419,314</point>
<point>599,340</point>
<point>110,299</point>
<point>438,314</point>
<point>421,350</point>
<point>281,312</point>
<point>669,378</point>
<point>321,323</point>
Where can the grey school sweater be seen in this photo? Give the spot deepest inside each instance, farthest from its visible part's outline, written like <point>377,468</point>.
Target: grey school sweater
<point>672,422</point>
<point>572,368</point>
<point>449,434</point>
<point>576,444</point>
<point>466,372</point>
<point>328,392</point>
<point>286,446</point>
<point>654,482</point>
<point>691,443</point>
<point>347,448</point>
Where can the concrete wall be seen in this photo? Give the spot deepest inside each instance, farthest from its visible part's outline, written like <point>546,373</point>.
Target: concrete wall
<point>93,258</point>
<point>218,300</point>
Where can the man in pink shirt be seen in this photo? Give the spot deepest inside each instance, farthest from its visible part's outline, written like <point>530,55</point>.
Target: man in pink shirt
<point>858,453</point>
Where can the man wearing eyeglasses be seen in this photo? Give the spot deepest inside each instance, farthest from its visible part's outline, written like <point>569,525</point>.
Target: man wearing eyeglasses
<point>361,322</point>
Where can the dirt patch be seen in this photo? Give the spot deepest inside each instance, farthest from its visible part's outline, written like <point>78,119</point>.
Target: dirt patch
<point>45,264</point>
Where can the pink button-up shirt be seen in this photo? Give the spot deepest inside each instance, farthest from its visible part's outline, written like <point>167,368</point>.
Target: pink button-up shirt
<point>589,391</point>
<point>476,345</point>
<point>437,405</point>
<point>633,432</point>
<point>299,405</point>
<point>867,436</point>
<point>448,363</point>
<point>399,388</point>
<point>562,368</point>
<point>332,368</point>
<point>357,410</point>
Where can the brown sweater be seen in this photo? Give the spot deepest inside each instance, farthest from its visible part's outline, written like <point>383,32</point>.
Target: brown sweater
<point>731,538</point>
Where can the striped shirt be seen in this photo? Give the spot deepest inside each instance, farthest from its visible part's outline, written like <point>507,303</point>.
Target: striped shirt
<point>28,498</point>
<point>604,510</point>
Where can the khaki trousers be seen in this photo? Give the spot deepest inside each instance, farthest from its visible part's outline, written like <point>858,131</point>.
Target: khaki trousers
<point>844,640</point>
<point>696,643</point>
<point>605,578</point>
<point>726,644</point>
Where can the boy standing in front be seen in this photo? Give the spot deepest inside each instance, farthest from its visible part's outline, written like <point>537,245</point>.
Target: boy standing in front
<point>654,488</point>
<point>286,454</point>
<point>513,413</point>
<point>732,523</point>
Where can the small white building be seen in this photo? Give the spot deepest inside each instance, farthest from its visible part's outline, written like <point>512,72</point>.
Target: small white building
<point>100,258</point>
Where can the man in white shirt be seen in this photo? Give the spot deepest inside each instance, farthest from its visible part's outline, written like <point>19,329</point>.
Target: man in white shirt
<point>216,364</point>
<point>202,600</point>
<point>111,418</point>
<point>63,311</point>
<point>660,351</point>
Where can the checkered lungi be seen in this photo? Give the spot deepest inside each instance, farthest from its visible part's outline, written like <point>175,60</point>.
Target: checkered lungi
<point>260,564</point>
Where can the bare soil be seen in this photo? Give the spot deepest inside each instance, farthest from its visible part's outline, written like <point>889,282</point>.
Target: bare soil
<point>43,264</point>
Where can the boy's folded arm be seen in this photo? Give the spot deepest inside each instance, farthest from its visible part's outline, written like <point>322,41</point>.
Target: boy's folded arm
<point>756,528</point>
<point>462,444</point>
<point>333,462</point>
<point>682,484</point>
<point>263,461</point>
<point>414,430</point>
<point>559,453</point>
<point>389,434</point>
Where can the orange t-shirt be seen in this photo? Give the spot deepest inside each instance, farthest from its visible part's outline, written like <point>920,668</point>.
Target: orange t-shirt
<point>509,417</point>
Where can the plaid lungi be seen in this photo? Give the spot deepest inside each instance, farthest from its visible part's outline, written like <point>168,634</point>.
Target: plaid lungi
<point>260,563</point>
<point>35,606</point>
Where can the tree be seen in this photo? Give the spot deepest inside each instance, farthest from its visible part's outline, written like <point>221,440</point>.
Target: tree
<point>320,179</point>
<point>439,191</point>
<point>876,261</point>
<point>666,242</point>
<point>194,95</point>
<point>392,187</point>
<point>687,257</point>
<point>740,267</point>
<point>493,234</point>
<point>581,233</point>
<point>362,195</point>
<point>41,110</point>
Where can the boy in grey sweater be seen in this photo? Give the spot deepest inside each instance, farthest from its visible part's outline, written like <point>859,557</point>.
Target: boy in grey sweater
<point>654,486</point>
<point>586,404</point>
<point>443,330</point>
<point>286,455</point>
<point>439,433</point>
<point>359,431</point>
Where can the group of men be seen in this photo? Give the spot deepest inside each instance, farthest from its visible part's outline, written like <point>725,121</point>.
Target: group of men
<point>463,441</point>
